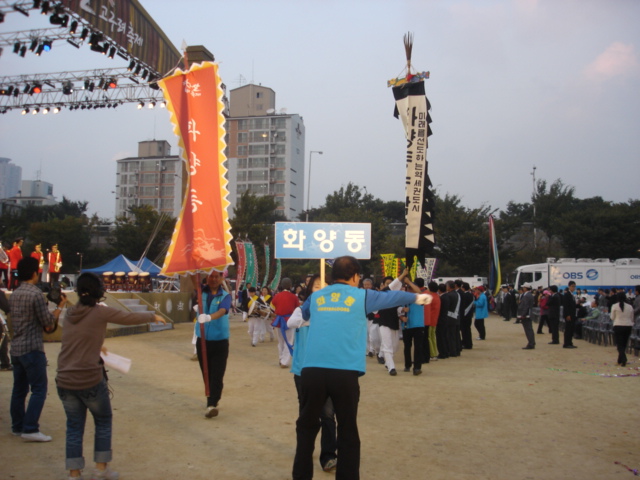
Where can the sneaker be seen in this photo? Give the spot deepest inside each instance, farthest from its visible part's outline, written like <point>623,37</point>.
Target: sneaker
<point>435,359</point>
<point>35,437</point>
<point>331,465</point>
<point>393,372</point>
<point>370,354</point>
<point>16,434</point>
<point>211,412</point>
<point>106,474</point>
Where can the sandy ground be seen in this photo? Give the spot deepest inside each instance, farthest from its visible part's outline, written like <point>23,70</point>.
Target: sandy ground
<point>497,412</point>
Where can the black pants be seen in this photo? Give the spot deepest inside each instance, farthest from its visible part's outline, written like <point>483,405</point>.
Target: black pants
<point>554,325</point>
<point>621,337</point>
<point>415,335</point>
<point>479,324</point>
<point>465,332</point>
<point>543,319</point>
<point>316,385</point>
<point>442,332</point>
<point>426,348</point>
<point>328,441</point>
<point>217,354</point>
<point>453,338</point>
<point>569,327</point>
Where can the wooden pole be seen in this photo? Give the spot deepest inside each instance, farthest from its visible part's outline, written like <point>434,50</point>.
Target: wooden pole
<point>203,342</point>
<point>322,282</point>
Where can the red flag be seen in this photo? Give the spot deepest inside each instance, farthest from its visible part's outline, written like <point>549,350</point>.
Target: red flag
<point>202,236</point>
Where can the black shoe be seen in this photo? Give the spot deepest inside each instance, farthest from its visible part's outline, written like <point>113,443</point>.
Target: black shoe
<point>393,372</point>
<point>370,354</point>
<point>407,369</point>
<point>517,321</point>
<point>528,347</point>
<point>554,343</point>
<point>540,333</point>
<point>569,346</point>
<point>418,372</point>
<point>381,360</point>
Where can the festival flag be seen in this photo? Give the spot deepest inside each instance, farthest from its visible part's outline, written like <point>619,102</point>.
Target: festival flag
<point>250,257</point>
<point>241,269</point>
<point>427,272</point>
<point>267,260</point>
<point>412,106</point>
<point>276,278</point>
<point>388,264</point>
<point>202,236</point>
<point>495,278</point>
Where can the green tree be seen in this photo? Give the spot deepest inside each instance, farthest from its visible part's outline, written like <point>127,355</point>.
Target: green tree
<point>145,228</point>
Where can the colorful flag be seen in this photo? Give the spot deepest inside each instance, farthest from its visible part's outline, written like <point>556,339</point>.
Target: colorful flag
<point>267,260</point>
<point>412,106</point>
<point>202,236</point>
<point>242,265</point>
<point>389,267</point>
<point>276,278</point>
<point>495,278</point>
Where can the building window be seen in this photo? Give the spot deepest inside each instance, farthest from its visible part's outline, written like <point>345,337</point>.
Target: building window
<point>147,178</point>
<point>166,192</point>
<point>242,150</point>
<point>259,95</point>
<point>243,124</point>
<point>242,163</point>
<point>242,137</point>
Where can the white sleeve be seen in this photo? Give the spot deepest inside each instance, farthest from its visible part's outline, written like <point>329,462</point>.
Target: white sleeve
<point>395,285</point>
<point>295,320</point>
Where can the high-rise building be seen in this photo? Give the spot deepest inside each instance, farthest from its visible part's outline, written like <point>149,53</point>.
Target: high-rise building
<point>152,178</point>
<point>10,178</point>
<point>265,150</point>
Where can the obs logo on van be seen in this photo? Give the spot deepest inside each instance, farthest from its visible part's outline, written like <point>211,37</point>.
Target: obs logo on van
<point>592,274</point>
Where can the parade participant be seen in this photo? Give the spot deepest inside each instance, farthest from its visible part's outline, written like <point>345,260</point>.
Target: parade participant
<point>29,316</point>
<point>55,264</point>
<point>284,302</point>
<point>524,315</point>
<point>466,312</point>
<point>15,255</point>
<point>81,380</point>
<point>38,255</point>
<point>265,298</point>
<point>431,317</point>
<point>482,311</point>
<point>328,441</point>
<point>4,267</point>
<point>569,313</point>
<point>413,330</point>
<point>255,317</point>
<point>215,316</point>
<point>334,360</point>
<point>390,326</point>
<point>453,301</point>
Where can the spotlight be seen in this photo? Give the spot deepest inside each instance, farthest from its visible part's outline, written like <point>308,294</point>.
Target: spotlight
<point>23,51</point>
<point>154,85</point>
<point>67,87</point>
<point>83,35</point>
<point>45,110</point>
<point>39,49</point>
<point>2,20</point>
<point>105,48</point>
<point>25,111</point>
<point>163,104</point>
<point>36,3</point>
<point>113,83</point>
<point>112,52</point>
<point>137,70</point>
<point>74,27</point>
<point>35,111</point>
<point>16,47</point>
<point>46,45</point>
<point>144,74</point>
<point>57,19</point>
<point>34,44</point>
<point>140,105</point>
<point>45,8</point>
<point>27,88</point>
<point>37,88</point>
<point>92,86</point>
<point>86,84</point>
<point>131,66</point>
<point>56,109</point>
<point>152,105</point>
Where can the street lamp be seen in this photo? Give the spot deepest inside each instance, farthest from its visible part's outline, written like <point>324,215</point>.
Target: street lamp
<point>309,181</point>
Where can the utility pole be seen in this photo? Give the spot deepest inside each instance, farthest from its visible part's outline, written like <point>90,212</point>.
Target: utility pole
<point>533,200</point>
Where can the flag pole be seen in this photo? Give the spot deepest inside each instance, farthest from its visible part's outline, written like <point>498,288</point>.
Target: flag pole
<point>203,342</point>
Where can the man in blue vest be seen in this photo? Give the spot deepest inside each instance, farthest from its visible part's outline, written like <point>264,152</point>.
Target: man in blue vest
<point>333,361</point>
<point>215,317</point>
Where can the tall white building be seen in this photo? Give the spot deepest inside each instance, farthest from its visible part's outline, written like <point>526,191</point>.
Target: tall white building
<point>10,178</point>
<point>152,178</point>
<point>36,192</point>
<point>265,150</point>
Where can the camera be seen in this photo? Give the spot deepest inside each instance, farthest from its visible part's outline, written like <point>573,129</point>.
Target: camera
<point>55,295</point>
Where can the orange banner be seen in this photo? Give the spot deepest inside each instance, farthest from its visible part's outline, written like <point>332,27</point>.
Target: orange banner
<point>201,241</point>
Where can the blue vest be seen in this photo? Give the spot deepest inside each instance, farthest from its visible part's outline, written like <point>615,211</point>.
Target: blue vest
<point>299,348</point>
<point>337,329</point>
<point>215,329</point>
<point>415,318</point>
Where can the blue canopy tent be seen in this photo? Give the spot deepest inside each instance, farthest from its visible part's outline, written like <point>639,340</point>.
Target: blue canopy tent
<point>123,264</point>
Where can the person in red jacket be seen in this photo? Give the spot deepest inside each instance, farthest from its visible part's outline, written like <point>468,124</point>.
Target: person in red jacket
<point>15,255</point>
<point>38,255</point>
<point>55,264</point>
<point>285,302</point>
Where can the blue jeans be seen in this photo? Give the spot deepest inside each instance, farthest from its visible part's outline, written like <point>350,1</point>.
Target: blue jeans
<point>29,371</point>
<point>76,403</point>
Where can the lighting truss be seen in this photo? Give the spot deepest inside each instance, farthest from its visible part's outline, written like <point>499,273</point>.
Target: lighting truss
<point>97,88</point>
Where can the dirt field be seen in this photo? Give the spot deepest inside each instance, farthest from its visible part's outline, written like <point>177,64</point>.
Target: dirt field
<point>497,412</point>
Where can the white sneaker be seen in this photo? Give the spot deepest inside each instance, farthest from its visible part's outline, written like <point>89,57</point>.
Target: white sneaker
<point>106,474</point>
<point>35,437</point>
<point>211,412</point>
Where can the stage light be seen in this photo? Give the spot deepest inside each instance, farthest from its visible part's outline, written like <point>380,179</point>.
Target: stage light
<point>34,44</point>
<point>74,27</point>
<point>45,8</point>
<point>16,47</point>
<point>37,88</point>
<point>154,86</point>
<point>131,66</point>
<point>113,83</point>
<point>36,3</point>
<point>144,74</point>
<point>46,45</point>
<point>137,70</point>
<point>25,111</point>
<point>163,104</point>
<point>57,19</point>
<point>35,111</point>
<point>92,86</point>
<point>56,109</point>
<point>105,48</point>
<point>152,105</point>
<point>112,52</point>
<point>39,49</point>
<point>86,84</point>
<point>45,110</point>
<point>1,21</point>
<point>23,51</point>
<point>27,88</point>
<point>140,105</point>
<point>67,87</point>
<point>83,35</point>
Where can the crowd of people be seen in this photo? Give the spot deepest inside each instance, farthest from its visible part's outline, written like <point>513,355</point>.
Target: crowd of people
<point>9,259</point>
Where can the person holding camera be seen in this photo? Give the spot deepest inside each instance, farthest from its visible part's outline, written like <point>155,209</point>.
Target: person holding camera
<point>29,316</point>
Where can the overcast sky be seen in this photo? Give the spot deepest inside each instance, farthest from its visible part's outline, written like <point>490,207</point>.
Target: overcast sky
<point>550,83</point>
